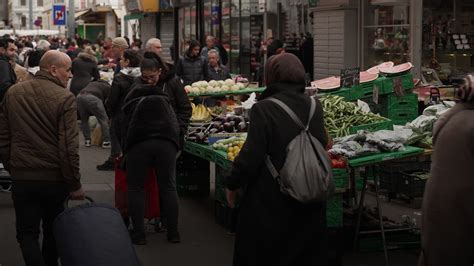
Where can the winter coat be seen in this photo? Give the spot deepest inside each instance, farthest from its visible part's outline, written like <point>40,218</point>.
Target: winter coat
<point>7,76</point>
<point>84,69</point>
<point>152,118</point>
<point>191,69</point>
<point>42,113</point>
<point>448,217</point>
<point>222,73</point>
<point>21,73</point>
<point>99,88</point>
<point>172,86</point>
<point>121,86</point>
<point>273,228</point>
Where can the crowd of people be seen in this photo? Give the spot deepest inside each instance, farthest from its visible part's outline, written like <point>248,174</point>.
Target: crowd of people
<point>144,112</point>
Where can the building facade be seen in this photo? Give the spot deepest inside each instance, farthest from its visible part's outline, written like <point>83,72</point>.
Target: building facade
<point>431,34</point>
<point>3,14</point>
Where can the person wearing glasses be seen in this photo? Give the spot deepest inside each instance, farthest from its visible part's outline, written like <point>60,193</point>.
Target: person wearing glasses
<point>151,139</point>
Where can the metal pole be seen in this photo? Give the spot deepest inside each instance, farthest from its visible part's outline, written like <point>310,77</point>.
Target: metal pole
<point>71,23</point>
<point>30,14</point>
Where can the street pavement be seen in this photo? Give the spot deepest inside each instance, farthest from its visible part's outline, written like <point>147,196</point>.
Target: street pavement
<point>203,241</point>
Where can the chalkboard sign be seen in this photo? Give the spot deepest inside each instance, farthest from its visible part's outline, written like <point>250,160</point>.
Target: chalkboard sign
<point>350,77</point>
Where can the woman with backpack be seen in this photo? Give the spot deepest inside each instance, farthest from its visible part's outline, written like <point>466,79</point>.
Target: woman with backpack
<point>151,139</point>
<point>274,228</point>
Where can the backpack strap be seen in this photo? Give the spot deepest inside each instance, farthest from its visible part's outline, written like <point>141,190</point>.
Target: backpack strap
<point>292,114</point>
<point>271,168</point>
<point>288,111</point>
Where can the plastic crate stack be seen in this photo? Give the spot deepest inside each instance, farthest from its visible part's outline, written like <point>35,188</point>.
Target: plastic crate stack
<point>192,176</point>
<point>398,108</point>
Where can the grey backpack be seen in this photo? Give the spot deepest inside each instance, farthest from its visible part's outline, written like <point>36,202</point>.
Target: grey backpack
<point>306,174</point>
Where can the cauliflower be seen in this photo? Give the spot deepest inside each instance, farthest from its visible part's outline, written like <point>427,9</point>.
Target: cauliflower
<point>234,88</point>
<point>204,84</point>
<point>188,88</point>
<point>241,85</point>
<point>229,82</point>
<point>225,88</point>
<point>195,90</point>
<point>213,83</point>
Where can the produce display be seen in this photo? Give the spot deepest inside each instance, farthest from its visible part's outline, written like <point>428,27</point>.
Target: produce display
<point>340,116</point>
<point>230,124</point>
<point>214,86</point>
<point>200,113</point>
<point>231,146</point>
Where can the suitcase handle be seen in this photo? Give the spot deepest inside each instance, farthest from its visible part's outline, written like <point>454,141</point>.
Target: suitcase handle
<point>66,201</point>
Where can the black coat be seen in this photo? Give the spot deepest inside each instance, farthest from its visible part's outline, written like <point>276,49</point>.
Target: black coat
<point>191,69</point>
<point>7,76</point>
<point>84,69</point>
<point>172,86</point>
<point>221,74</point>
<point>121,86</point>
<point>154,117</point>
<point>274,229</point>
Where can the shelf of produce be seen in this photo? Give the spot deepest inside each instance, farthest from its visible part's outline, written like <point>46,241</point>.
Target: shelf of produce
<point>228,93</point>
<point>386,156</point>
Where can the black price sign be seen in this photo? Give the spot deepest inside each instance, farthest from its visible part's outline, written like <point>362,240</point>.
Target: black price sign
<point>350,77</point>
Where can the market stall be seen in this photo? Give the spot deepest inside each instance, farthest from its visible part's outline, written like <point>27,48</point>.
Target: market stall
<point>375,122</point>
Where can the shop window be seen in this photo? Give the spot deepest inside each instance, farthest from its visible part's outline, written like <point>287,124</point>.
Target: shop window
<point>22,2</point>
<point>40,3</point>
<point>386,32</point>
<point>448,38</point>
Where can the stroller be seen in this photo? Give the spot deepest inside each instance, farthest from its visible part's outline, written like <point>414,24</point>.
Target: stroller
<point>93,234</point>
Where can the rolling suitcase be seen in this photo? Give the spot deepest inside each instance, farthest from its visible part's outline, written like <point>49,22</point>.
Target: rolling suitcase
<point>93,234</point>
<point>152,204</point>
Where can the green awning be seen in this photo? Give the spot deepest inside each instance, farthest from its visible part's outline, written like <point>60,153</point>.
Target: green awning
<point>134,16</point>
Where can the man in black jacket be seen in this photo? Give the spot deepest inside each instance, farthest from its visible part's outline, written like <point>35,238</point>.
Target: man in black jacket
<point>7,73</point>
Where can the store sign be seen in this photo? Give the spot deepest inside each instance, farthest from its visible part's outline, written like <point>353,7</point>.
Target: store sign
<point>350,77</point>
<point>262,6</point>
<point>59,15</point>
<point>149,6</point>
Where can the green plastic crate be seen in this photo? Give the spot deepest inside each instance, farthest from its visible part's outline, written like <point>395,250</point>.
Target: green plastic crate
<point>385,84</point>
<point>366,90</point>
<point>392,103</point>
<point>403,116</point>
<point>334,211</point>
<point>388,124</point>
<point>341,178</point>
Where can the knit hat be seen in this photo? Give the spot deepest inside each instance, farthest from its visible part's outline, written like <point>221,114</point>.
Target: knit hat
<point>120,42</point>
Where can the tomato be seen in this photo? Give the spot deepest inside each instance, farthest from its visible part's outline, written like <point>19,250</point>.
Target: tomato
<point>334,163</point>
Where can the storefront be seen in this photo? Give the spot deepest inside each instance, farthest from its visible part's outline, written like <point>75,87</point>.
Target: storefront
<point>430,33</point>
<point>239,27</point>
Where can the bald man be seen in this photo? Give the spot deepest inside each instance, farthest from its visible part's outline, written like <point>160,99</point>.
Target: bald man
<point>42,155</point>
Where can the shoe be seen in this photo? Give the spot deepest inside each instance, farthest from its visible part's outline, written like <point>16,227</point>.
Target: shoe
<point>106,145</point>
<point>88,143</point>
<point>137,238</point>
<point>106,166</point>
<point>173,237</point>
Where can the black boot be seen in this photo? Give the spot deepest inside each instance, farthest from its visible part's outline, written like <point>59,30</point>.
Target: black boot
<point>173,237</point>
<point>137,238</point>
<point>107,165</point>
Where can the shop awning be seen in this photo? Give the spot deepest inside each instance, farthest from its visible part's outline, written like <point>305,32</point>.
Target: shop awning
<point>80,13</point>
<point>119,13</point>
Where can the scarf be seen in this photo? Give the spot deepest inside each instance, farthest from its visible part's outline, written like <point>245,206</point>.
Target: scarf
<point>131,71</point>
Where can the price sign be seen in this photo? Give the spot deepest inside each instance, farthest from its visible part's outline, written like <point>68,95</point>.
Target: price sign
<point>350,77</point>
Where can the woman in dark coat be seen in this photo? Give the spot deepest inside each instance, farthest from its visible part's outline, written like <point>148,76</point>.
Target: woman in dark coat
<point>151,139</point>
<point>84,70</point>
<point>191,67</point>
<point>273,228</point>
<point>448,217</point>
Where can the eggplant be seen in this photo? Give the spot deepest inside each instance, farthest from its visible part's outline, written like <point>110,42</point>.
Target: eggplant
<point>228,127</point>
<point>219,119</point>
<point>230,118</point>
<point>221,128</point>
<point>239,119</point>
<point>213,130</point>
<point>242,127</point>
